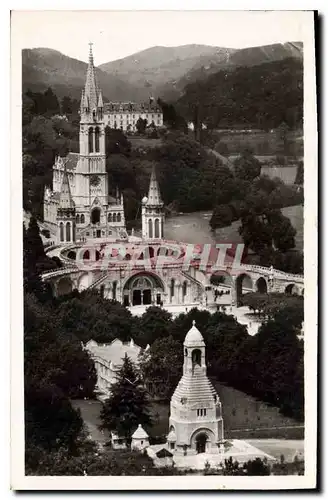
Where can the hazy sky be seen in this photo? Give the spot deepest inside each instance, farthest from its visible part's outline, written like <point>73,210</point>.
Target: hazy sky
<point>118,34</point>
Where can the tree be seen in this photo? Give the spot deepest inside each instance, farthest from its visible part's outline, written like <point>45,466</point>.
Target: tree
<point>231,468</point>
<point>50,420</point>
<point>155,323</point>
<point>51,103</point>
<point>127,405</point>
<point>141,126</point>
<point>247,167</point>
<point>257,467</point>
<point>221,217</point>
<point>161,366</point>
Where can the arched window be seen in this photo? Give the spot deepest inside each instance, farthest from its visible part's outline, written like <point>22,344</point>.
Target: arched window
<point>97,135</point>
<point>61,227</point>
<point>68,231</point>
<point>196,357</point>
<point>73,231</point>
<point>102,291</point>
<point>150,228</point>
<point>82,219</point>
<point>114,290</point>
<point>114,217</point>
<point>172,287</point>
<point>109,217</point>
<point>77,219</point>
<point>86,255</point>
<point>95,216</point>
<point>157,228</point>
<point>90,140</point>
<point>184,289</point>
<point>118,217</point>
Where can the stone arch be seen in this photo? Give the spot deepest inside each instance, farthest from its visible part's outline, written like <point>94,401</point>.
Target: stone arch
<point>114,290</point>
<point>156,230</point>
<point>240,284</point>
<point>184,290</point>
<point>261,285</point>
<point>196,357</point>
<point>95,215</point>
<point>61,230</point>
<point>202,433</point>
<point>71,255</point>
<point>68,231</point>
<point>143,288</point>
<point>90,140</point>
<point>83,282</point>
<point>150,228</point>
<point>291,289</point>
<point>172,288</point>
<point>64,286</point>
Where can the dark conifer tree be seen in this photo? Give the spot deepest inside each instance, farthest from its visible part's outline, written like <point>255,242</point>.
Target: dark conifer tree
<point>128,404</point>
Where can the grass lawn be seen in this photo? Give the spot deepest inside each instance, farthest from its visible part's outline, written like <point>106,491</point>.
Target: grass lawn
<point>244,418</point>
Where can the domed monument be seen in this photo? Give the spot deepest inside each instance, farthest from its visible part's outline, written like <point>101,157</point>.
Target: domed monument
<point>196,423</point>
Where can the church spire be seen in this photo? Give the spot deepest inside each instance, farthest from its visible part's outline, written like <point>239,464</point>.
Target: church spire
<point>154,195</point>
<point>91,91</point>
<point>65,200</point>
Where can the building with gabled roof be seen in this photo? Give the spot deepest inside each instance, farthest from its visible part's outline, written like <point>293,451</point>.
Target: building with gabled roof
<point>108,359</point>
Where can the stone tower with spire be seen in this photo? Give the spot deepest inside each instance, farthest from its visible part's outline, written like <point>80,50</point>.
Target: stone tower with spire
<point>97,213</point>
<point>152,211</point>
<point>66,212</point>
<point>196,423</point>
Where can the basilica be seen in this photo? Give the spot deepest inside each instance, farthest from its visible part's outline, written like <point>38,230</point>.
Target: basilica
<point>80,204</point>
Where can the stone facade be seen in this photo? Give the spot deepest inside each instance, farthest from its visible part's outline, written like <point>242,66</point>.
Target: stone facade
<point>140,439</point>
<point>108,360</point>
<point>196,423</point>
<point>124,115</point>
<point>98,214</point>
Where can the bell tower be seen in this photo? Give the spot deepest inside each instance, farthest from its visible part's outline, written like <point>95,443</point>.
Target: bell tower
<point>196,423</point>
<point>152,211</point>
<point>92,140</point>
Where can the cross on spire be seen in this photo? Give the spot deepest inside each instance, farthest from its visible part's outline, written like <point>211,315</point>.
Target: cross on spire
<point>90,51</point>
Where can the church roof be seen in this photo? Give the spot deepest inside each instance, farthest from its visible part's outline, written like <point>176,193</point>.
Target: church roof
<point>115,351</point>
<point>91,90</point>
<point>65,199</point>
<point>154,195</point>
<point>140,433</point>
<point>194,338</point>
<point>195,388</point>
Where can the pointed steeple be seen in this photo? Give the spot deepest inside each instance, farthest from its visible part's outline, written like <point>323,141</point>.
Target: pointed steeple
<point>65,200</point>
<point>91,90</point>
<point>100,100</point>
<point>154,195</point>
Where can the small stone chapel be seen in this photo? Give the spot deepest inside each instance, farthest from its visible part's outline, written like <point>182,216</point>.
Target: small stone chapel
<point>196,423</point>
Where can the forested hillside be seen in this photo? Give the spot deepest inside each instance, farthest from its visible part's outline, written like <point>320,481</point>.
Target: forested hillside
<point>262,96</point>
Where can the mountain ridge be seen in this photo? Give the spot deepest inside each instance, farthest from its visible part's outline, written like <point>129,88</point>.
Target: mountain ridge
<point>159,71</point>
